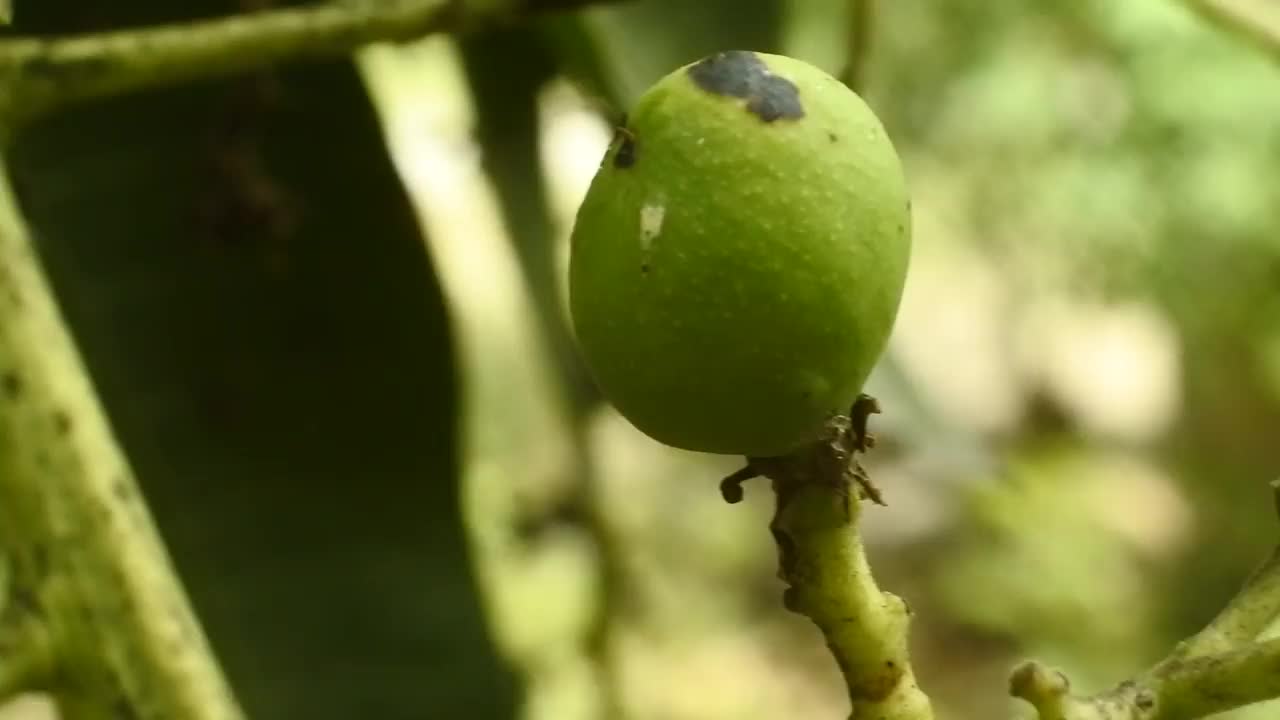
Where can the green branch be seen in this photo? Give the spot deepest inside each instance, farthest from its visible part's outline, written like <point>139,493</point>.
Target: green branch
<point>1250,612</point>
<point>1211,684</point>
<point>38,75</point>
<point>823,561</point>
<point>1222,667</point>
<point>1174,690</point>
<point>84,556</point>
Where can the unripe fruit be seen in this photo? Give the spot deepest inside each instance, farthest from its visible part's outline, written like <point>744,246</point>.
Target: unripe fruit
<point>739,258</point>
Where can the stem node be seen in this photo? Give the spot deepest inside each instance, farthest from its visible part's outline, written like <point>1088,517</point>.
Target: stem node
<point>823,562</point>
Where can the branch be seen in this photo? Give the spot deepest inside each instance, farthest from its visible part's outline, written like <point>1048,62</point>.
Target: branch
<point>1215,683</point>
<point>1230,16</point>
<point>1174,690</point>
<point>86,559</point>
<point>822,559</point>
<point>1250,612</point>
<point>1220,668</point>
<point>862,16</point>
<point>1049,692</point>
<point>38,75</point>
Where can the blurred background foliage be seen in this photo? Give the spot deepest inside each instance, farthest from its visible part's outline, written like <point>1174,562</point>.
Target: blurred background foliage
<point>324,306</point>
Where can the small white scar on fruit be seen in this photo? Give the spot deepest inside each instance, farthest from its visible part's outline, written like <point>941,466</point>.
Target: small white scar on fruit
<point>651,217</point>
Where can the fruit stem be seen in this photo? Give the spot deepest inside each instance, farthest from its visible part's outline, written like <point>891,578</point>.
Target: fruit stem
<point>38,75</point>
<point>824,563</point>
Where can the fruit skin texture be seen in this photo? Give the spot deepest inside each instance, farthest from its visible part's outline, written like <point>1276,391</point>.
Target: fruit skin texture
<point>738,261</point>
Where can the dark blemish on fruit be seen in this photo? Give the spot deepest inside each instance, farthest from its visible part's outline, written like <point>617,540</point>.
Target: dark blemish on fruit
<point>743,74</point>
<point>644,268</point>
<point>832,137</point>
<point>626,155</point>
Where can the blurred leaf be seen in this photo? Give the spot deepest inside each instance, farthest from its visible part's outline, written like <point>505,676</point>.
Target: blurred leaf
<point>244,273</point>
<point>1053,560</point>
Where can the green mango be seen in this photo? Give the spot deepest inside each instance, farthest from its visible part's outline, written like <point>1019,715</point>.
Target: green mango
<point>739,259</point>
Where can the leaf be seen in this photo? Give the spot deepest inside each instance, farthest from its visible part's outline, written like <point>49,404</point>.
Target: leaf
<point>245,276</point>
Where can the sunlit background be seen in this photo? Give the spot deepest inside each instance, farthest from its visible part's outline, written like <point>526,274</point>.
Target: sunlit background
<point>1081,391</point>
<point>1082,394</point>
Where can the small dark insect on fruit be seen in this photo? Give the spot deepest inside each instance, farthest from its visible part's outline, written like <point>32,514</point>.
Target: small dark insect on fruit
<point>626,155</point>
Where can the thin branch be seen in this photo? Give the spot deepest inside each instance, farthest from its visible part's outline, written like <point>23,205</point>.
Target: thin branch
<point>861,30</point>
<point>1231,16</point>
<point>1174,690</point>
<point>39,74</point>
<point>1219,668</point>
<point>1250,612</point>
<point>1049,692</point>
<point>822,559</point>
<point>1210,684</point>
